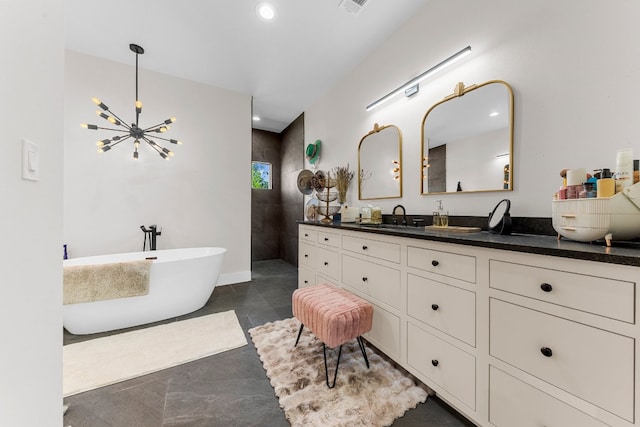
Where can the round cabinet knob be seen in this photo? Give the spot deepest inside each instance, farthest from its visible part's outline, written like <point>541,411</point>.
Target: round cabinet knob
<point>434,307</point>
<point>364,247</point>
<point>326,239</point>
<point>326,263</point>
<point>546,287</point>
<point>306,256</point>
<point>306,282</point>
<point>546,351</point>
<point>365,279</point>
<point>435,263</point>
<point>434,362</point>
<point>306,235</point>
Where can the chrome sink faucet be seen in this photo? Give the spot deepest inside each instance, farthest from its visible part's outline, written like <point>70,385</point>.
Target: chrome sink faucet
<point>404,215</point>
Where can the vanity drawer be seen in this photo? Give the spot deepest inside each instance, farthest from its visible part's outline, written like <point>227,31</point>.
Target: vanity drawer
<point>515,403</point>
<point>374,248</point>
<point>307,255</point>
<point>447,308</point>
<point>385,332</point>
<point>375,280</point>
<point>309,235</point>
<point>593,364</point>
<point>446,365</point>
<point>329,263</point>
<point>329,239</point>
<point>306,277</point>
<point>448,264</point>
<point>598,295</point>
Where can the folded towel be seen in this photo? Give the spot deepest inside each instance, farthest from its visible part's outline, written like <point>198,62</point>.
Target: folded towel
<point>97,282</point>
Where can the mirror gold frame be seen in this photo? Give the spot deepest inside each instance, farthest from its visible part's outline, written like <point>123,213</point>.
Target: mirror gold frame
<point>458,122</point>
<point>380,168</point>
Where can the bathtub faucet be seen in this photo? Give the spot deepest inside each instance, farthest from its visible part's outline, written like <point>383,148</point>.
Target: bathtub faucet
<point>151,233</point>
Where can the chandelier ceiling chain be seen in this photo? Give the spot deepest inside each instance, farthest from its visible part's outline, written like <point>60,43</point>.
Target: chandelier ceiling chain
<point>134,132</point>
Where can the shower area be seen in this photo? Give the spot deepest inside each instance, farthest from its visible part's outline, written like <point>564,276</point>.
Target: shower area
<point>274,211</point>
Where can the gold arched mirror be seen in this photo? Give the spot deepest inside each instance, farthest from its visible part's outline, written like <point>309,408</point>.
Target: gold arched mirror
<point>380,163</point>
<point>467,140</point>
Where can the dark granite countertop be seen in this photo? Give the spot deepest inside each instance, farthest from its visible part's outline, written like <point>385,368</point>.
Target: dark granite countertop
<point>625,253</point>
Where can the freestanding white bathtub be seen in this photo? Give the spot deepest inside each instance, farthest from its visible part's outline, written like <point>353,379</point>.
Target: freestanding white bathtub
<point>180,281</point>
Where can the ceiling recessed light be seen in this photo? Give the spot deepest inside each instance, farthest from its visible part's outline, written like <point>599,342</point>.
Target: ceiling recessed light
<point>266,11</point>
<point>256,118</point>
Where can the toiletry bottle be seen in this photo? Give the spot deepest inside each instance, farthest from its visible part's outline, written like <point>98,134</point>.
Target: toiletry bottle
<point>606,184</point>
<point>440,217</point>
<point>376,215</point>
<point>624,169</point>
<point>590,191</point>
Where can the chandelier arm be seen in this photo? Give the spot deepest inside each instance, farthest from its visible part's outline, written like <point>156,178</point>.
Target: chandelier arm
<point>114,130</point>
<point>119,141</point>
<point>154,127</point>
<point>122,122</point>
<point>159,137</point>
<point>153,144</point>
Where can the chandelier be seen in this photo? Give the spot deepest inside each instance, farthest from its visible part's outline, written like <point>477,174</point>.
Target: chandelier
<point>132,132</point>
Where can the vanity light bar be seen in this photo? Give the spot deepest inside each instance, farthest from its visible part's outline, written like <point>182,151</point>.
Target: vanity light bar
<point>450,60</point>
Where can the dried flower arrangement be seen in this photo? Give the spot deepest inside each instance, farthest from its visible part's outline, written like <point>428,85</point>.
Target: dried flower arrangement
<point>343,180</point>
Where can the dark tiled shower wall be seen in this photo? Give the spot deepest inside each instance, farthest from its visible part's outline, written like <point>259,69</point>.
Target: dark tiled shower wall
<point>275,212</point>
<point>292,159</point>
<point>265,204</point>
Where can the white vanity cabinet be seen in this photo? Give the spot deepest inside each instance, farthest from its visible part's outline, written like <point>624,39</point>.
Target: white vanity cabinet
<point>507,338</point>
<point>563,332</point>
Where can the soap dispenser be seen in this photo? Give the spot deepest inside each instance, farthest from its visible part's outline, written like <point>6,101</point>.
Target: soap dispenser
<point>440,217</point>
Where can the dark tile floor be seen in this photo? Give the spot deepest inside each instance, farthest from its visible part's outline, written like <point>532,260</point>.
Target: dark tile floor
<point>228,389</point>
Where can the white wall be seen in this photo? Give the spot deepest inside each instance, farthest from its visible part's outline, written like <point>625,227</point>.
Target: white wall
<point>31,93</point>
<point>201,197</point>
<point>572,65</point>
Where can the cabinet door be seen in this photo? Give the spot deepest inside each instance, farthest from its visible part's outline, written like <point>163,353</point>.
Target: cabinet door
<point>462,267</point>
<point>328,239</point>
<point>598,295</point>
<point>515,403</point>
<point>308,234</point>
<point>446,365</point>
<point>593,364</point>
<point>374,248</point>
<point>385,332</point>
<point>307,255</point>
<point>447,308</point>
<point>306,277</point>
<point>377,281</point>
<point>329,263</point>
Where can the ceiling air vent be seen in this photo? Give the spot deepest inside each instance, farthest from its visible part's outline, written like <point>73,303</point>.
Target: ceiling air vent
<point>352,6</point>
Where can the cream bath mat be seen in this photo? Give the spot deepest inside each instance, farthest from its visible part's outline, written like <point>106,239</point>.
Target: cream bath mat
<point>361,397</point>
<point>108,360</point>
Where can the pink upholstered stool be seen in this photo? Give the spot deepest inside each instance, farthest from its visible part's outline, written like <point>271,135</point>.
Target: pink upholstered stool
<point>335,316</point>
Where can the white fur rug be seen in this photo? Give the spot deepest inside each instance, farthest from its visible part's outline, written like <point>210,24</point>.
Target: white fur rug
<point>361,397</point>
<point>108,360</point>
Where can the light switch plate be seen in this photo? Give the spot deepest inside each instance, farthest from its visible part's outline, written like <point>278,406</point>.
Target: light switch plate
<point>30,161</point>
